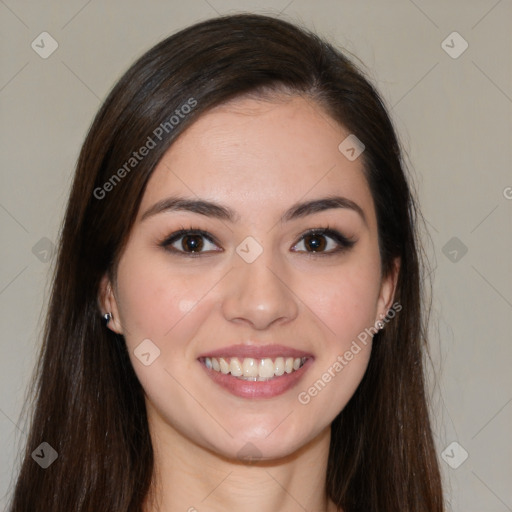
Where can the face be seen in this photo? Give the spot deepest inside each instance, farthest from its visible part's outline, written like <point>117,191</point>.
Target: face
<point>251,270</point>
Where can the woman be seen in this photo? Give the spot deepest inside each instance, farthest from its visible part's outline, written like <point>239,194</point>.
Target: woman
<point>235,320</point>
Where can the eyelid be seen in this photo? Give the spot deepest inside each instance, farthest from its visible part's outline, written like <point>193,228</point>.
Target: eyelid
<point>343,242</point>
<point>167,242</point>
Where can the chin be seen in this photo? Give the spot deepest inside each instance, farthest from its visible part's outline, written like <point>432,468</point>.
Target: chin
<point>264,444</point>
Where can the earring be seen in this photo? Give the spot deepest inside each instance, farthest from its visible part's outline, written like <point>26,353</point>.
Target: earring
<point>107,317</point>
<point>380,325</point>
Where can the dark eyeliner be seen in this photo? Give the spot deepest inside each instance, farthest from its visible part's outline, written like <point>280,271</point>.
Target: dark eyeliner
<point>167,242</point>
<point>344,242</point>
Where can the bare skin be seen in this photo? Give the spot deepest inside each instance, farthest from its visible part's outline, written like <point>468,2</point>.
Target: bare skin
<point>258,159</point>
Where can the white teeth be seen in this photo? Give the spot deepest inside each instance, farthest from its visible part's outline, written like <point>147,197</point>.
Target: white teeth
<point>234,367</point>
<point>250,367</point>
<point>266,369</point>
<point>224,365</point>
<point>279,366</point>
<point>254,369</point>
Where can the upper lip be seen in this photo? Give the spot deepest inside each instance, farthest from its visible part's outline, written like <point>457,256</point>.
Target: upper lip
<point>256,352</point>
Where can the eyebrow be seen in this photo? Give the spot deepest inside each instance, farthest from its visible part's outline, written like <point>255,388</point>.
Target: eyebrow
<point>215,210</point>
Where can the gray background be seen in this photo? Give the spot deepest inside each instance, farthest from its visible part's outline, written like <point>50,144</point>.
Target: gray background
<point>454,116</point>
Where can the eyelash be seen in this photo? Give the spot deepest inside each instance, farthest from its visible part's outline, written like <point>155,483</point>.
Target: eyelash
<point>344,244</point>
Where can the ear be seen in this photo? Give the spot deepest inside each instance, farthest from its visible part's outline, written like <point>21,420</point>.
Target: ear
<point>387,290</point>
<point>108,304</point>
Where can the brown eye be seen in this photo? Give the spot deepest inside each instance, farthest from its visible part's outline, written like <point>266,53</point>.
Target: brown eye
<point>192,243</point>
<point>323,241</point>
<point>315,243</point>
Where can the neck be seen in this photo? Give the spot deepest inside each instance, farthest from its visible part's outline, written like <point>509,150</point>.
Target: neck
<point>189,477</point>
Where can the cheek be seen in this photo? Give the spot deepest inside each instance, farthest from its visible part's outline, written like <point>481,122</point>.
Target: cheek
<point>346,305</point>
<point>167,307</point>
<point>152,300</point>
<point>346,300</point>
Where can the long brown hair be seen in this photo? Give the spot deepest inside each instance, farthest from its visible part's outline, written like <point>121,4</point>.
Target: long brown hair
<point>88,403</point>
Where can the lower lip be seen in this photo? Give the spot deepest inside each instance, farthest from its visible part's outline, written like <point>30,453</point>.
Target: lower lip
<point>258,389</point>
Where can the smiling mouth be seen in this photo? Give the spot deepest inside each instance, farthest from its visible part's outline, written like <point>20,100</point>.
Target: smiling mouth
<point>255,370</point>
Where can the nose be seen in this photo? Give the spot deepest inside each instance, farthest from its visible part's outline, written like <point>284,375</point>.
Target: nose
<point>257,295</point>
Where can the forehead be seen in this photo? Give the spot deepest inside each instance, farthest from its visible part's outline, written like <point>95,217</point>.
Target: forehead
<point>253,153</point>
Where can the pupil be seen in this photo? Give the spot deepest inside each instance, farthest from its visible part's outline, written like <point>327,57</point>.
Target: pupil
<point>315,243</point>
<point>192,243</point>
